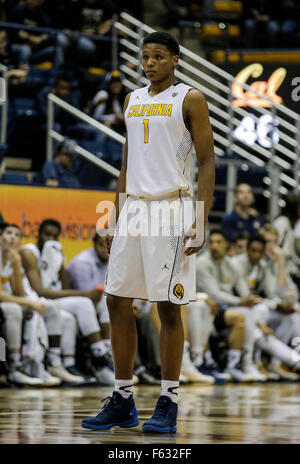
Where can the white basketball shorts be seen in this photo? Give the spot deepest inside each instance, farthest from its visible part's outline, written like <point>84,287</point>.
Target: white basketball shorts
<point>146,258</point>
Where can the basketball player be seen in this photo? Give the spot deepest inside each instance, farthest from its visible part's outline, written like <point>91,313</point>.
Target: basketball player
<point>163,121</point>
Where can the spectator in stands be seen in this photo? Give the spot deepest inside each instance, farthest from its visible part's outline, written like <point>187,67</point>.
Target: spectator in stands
<point>61,88</point>
<point>11,55</point>
<point>84,17</point>
<point>58,173</point>
<point>107,108</point>
<point>40,46</point>
<point>261,16</point>
<point>108,103</point>
<point>244,218</point>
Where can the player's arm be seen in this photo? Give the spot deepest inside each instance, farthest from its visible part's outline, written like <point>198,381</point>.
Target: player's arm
<point>34,305</point>
<point>30,265</point>
<point>63,277</point>
<point>195,112</point>
<point>16,281</point>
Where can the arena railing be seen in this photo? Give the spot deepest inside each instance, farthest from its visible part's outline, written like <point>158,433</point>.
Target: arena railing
<point>54,135</point>
<point>276,147</point>
<point>3,102</point>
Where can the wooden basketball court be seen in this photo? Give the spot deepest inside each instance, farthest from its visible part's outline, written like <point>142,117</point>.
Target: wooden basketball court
<point>215,414</point>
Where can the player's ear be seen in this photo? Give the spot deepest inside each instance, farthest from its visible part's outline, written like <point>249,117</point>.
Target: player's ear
<point>175,60</point>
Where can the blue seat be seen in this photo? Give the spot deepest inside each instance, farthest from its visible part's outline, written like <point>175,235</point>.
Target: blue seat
<point>14,178</point>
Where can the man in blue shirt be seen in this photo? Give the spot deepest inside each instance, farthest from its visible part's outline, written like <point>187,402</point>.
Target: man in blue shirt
<point>243,218</point>
<point>57,172</point>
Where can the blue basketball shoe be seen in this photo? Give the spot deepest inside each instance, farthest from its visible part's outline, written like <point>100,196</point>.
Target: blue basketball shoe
<point>117,411</point>
<point>164,417</point>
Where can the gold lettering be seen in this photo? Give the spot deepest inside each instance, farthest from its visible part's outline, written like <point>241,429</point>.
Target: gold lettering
<point>266,88</point>
<point>154,111</point>
<point>169,110</point>
<point>149,112</point>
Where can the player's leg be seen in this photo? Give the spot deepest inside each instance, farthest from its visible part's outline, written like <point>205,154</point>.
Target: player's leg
<point>171,351</point>
<point>188,369</point>
<point>86,317</point>
<point>13,318</point>
<point>120,408</point>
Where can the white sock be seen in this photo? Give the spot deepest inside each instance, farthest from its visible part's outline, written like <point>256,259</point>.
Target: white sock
<point>197,355</point>
<point>124,387</point>
<point>54,356</point>
<point>209,360</point>
<point>99,349</point>
<point>68,361</point>
<point>15,359</point>
<point>234,357</point>
<point>107,344</point>
<point>186,353</point>
<point>170,388</point>
<point>279,350</point>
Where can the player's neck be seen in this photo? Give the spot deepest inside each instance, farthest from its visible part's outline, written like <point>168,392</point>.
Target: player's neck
<point>157,87</point>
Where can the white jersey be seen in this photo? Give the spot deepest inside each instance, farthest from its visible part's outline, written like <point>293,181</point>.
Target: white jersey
<point>159,144</point>
<point>50,261</point>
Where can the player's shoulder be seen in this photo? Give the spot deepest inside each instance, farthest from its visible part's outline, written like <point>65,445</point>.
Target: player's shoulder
<point>195,97</point>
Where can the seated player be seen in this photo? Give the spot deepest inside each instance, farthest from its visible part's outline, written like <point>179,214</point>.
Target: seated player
<point>15,282</point>
<point>44,266</point>
<point>271,283</point>
<point>217,277</point>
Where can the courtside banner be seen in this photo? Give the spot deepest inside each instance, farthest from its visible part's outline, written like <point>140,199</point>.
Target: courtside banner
<point>75,209</point>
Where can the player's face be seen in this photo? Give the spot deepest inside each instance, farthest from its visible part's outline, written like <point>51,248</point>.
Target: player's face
<point>271,240</point>
<point>256,251</point>
<point>217,246</point>
<point>101,248</point>
<point>11,238</point>
<point>241,246</point>
<point>48,233</point>
<point>158,62</point>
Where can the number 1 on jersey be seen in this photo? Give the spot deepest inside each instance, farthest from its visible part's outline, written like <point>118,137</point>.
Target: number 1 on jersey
<point>146,132</point>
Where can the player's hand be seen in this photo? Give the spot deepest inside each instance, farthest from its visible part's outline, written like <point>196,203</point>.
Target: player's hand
<point>14,257</point>
<point>190,236</point>
<point>286,307</point>
<point>250,300</point>
<point>213,306</point>
<point>37,306</point>
<point>94,295</point>
<point>266,330</point>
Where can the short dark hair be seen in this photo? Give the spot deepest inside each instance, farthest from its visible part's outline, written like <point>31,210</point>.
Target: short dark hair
<point>256,238</point>
<point>3,226</point>
<point>62,77</point>
<point>163,38</point>
<point>218,231</point>
<point>241,236</point>
<point>6,225</point>
<point>49,222</point>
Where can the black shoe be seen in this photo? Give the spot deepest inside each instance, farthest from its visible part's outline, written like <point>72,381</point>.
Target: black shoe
<point>117,411</point>
<point>88,379</point>
<point>164,417</point>
<point>145,377</point>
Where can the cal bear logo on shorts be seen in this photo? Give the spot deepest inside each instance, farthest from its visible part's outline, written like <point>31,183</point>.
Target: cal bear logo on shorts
<point>178,291</point>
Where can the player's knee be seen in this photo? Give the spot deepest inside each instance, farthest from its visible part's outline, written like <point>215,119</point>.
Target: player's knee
<point>235,319</point>
<point>12,311</point>
<point>170,316</point>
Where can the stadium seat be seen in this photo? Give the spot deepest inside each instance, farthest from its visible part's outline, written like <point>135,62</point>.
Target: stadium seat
<point>14,178</point>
